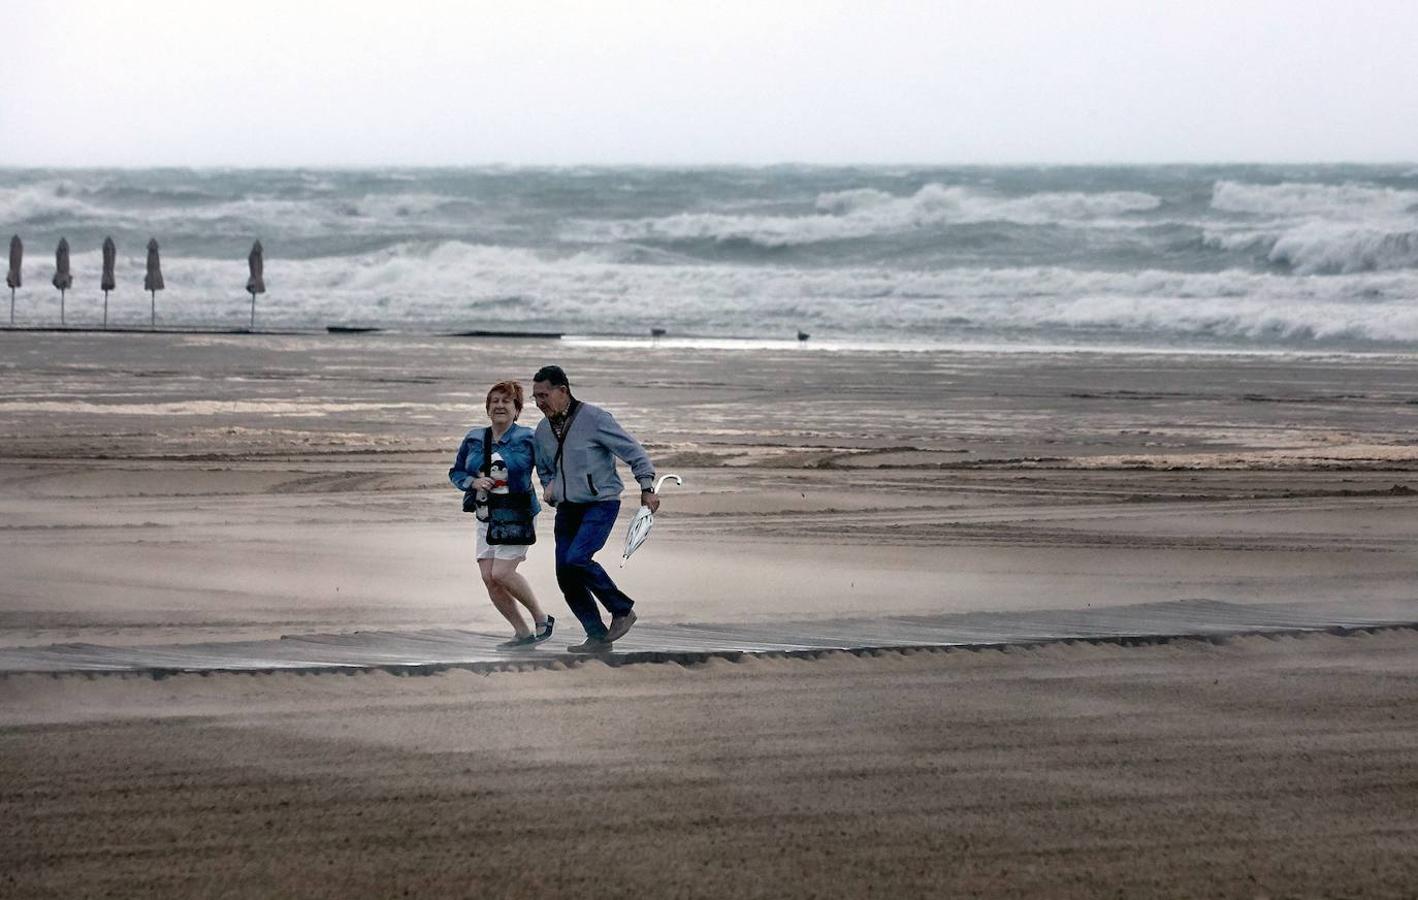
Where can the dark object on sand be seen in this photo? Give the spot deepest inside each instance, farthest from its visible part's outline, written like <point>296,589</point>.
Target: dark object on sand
<point>106,281</point>
<point>803,335</point>
<point>657,332</point>
<point>63,278</point>
<point>554,335</point>
<point>350,329</point>
<point>256,284</point>
<point>152,281</point>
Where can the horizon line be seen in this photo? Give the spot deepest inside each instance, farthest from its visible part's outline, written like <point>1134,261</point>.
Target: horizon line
<point>785,164</point>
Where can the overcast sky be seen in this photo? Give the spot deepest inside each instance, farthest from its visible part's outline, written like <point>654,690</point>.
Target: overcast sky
<point>184,82</point>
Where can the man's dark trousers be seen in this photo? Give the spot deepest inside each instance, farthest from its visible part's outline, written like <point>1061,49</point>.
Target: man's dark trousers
<point>581,531</point>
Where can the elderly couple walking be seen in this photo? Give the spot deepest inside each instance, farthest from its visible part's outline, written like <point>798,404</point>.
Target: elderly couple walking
<point>573,453</point>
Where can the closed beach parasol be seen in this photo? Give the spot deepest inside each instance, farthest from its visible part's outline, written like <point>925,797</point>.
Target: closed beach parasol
<point>644,520</point>
<point>62,278</point>
<point>256,284</point>
<point>12,278</point>
<point>106,282</point>
<point>152,282</point>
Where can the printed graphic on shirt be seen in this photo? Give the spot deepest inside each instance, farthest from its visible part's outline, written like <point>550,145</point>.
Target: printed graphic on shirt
<point>497,471</point>
<point>498,474</point>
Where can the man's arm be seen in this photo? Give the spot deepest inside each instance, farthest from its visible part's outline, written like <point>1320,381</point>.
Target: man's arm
<point>546,466</point>
<point>545,462</point>
<point>619,442</point>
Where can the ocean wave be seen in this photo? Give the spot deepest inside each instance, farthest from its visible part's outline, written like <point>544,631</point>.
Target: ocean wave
<point>1329,201</point>
<point>468,285</point>
<point>1319,229</point>
<point>1324,248</point>
<point>868,212</point>
<point>45,202</point>
<point>385,207</point>
<point>458,269</point>
<point>1257,319</point>
<point>1135,253</point>
<point>187,209</point>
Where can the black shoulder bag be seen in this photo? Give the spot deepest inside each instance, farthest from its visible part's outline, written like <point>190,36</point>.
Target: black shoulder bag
<point>509,516</point>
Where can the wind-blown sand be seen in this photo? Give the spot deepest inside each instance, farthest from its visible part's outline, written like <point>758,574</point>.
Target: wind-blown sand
<point>162,489</point>
<point>1254,768</point>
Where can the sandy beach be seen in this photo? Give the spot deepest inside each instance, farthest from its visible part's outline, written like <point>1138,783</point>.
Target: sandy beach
<point>159,489</point>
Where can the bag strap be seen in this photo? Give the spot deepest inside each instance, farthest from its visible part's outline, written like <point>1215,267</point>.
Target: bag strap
<point>487,452</point>
<point>561,438</point>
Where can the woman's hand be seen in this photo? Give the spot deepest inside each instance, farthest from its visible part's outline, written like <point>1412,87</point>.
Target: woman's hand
<point>481,484</point>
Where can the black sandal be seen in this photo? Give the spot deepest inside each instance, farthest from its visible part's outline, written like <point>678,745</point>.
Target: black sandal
<point>544,630</point>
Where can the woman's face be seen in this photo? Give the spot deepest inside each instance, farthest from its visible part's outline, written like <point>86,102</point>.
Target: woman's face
<point>501,410</point>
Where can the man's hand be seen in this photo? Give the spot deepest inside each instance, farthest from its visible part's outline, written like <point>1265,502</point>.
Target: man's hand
<point>650,499</point>
<point>547,496</point>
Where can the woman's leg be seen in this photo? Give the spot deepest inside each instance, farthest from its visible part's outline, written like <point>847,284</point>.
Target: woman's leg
<point>504,572</point>
<point>501,599</point>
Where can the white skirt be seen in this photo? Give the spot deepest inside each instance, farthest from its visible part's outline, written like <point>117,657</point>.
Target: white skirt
<point>497,551</point>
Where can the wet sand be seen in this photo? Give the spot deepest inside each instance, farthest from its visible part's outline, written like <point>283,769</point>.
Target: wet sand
<point>161,489</point>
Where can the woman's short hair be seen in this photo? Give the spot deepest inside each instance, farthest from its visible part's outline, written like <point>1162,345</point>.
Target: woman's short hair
<point>510,388</point>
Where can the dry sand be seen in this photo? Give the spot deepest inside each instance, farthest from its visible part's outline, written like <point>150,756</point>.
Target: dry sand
<point>1255,768</point>
<point>173,488</point>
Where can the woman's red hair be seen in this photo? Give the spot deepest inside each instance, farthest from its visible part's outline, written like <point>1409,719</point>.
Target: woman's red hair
<point>512,389</point>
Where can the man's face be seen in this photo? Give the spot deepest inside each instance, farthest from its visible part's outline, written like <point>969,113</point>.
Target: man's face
<point>552,401</point>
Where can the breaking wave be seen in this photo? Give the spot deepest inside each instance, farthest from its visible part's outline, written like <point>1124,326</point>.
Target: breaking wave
<point>1260,256</point>
<point>1315,229</point>
<point>1346,201</point>
<point>868,212</point>
<point>453,284</point>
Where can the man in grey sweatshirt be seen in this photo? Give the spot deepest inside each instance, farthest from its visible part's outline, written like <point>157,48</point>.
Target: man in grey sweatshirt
<point>577,445</point>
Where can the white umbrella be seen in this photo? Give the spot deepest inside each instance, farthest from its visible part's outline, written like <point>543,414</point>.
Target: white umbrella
<point>644,520</point>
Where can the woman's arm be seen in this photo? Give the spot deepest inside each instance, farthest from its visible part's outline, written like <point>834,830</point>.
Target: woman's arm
<point>459,475</point>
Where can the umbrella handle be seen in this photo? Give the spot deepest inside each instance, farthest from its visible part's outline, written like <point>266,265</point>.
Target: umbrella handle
<point>663,478</point>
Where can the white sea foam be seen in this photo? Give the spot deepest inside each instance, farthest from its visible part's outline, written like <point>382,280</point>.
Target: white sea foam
<point>43,201</point>
<point>1345,201</point>
<point>866,212</point>
<point>452,284</point>
<point>70,204</point>
<point>1320,228</point>
<point>1142,255</point>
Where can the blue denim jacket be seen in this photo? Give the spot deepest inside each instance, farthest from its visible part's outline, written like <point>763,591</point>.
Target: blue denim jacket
<point>516,448</point>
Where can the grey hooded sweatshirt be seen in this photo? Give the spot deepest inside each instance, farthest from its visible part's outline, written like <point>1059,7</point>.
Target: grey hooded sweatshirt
<point>587,472</point>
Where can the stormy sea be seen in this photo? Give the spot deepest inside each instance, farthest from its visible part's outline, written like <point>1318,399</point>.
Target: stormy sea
<point>1243,258</point>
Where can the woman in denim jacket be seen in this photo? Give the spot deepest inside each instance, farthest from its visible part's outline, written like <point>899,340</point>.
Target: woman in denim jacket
<point>513,460</point>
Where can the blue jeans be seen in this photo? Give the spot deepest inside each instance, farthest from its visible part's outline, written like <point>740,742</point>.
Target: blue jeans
<point>581,531</point>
